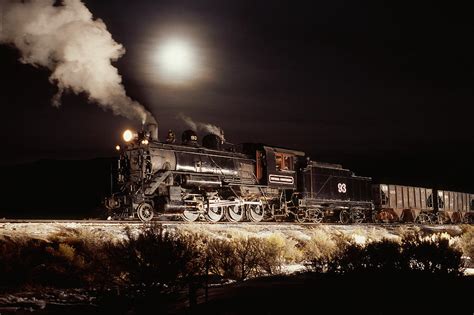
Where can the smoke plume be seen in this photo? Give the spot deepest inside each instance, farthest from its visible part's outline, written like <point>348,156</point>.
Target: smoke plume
<point>77,48</point>
<point>197,125</point>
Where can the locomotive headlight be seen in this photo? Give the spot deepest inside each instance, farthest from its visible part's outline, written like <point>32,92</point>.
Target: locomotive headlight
<point>145,141</point>
<point>117,147</point>
<point>127,135</point>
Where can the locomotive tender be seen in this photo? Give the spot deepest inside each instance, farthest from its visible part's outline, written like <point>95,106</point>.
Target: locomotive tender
<point>255,182</point>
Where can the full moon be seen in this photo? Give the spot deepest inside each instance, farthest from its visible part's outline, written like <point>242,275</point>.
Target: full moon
<point>176,60</point>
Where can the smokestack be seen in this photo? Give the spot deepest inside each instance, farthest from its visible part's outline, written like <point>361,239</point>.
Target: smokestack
<point>78,49</point>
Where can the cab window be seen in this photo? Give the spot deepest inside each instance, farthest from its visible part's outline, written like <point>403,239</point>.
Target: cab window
<point>283,162</point>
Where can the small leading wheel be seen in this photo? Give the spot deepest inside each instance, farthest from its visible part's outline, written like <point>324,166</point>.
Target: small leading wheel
<point>344,217</point>
<point>255,213</point>
<point>234,213</point>
<point>190,215</point>
<point>214,214</point>
<point>145,212</point>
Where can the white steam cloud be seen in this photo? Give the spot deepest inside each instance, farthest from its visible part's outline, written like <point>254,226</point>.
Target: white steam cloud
<point>77,48</point>
<point>197,125</point>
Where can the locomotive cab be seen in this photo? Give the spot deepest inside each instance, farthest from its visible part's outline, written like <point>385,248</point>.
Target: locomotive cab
<point>274,167</point>
<point>281,167</point>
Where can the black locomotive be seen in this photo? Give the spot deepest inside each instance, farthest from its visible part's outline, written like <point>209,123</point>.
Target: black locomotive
<point>254,182</point>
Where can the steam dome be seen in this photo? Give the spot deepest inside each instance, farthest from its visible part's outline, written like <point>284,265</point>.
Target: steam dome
<point>212,141</point>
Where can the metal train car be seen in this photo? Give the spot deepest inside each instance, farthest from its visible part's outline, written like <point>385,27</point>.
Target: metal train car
<point>397,203</point>
<point>254,182</point>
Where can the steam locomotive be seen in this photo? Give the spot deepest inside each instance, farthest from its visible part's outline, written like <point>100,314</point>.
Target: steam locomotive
<point>216,181</point>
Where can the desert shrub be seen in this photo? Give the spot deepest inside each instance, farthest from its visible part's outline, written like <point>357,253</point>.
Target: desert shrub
<point>95,258</point>
<point>349,259</point>
<point>99,267</point>
<point>222,258</point>
<point>323,248</point>
<point>18,258</point>
<point>288,249</point>
<point>152,257</point>
<point>39,262</point>
<point>157,258</point>
<point>274,252</point>
<point>381,256</point>
<point>244,257</point>
<point>431,256</point>
<point>248,256</point>
<point>466,241</point>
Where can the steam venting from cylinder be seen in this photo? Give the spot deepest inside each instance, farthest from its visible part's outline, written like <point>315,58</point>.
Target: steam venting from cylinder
<point>197,125</point>
<point>78,49</point>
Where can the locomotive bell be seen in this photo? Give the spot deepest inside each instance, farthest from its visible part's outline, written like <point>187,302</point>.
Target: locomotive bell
<point>189,137</point>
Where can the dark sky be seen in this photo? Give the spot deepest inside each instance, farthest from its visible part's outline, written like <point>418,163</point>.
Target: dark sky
<point>353,82</point>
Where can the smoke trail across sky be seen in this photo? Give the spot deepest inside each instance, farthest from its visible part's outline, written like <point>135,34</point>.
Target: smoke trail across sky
<point>77,48</point>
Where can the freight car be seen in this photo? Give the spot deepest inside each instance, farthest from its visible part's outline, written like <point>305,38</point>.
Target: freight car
<point>403,203</point>
<point>254,182</point>
<point>396,203</point>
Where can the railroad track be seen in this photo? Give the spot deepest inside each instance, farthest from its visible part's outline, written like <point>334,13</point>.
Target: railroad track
<point>171,222</point>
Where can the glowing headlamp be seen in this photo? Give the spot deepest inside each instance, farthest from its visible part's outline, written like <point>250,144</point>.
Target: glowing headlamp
<point>127,135</point>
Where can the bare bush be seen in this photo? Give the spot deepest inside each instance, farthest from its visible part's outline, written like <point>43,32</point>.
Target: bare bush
<point>288,250</point>
<point>40,262</point>
<point>157,258</point>
<point>431,256</point>
<point>222,258</point>
<point>466,242</point>
<point>323,248</point>
<point>244,257</point>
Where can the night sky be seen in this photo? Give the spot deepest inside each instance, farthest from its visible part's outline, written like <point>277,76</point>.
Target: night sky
<point>386,88</point>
